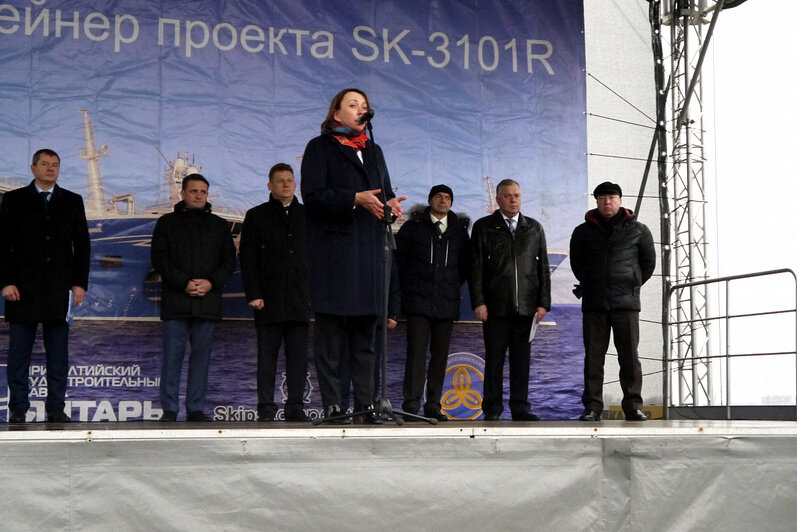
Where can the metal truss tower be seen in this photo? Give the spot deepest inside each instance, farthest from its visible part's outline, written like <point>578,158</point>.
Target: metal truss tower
<point>684,198</point>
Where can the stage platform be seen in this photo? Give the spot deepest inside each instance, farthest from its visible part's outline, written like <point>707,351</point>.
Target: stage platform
<point>550,475</point>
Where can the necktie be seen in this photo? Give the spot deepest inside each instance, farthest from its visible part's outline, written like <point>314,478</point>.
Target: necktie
<point>511,223</point>
<point>45,196</point>
<point>439,226</point>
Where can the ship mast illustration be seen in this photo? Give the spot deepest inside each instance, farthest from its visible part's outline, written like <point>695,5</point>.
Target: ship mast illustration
<point>175,171</point>
<point>121,237</point>
<point>95,205</point>
<point>492,206</point>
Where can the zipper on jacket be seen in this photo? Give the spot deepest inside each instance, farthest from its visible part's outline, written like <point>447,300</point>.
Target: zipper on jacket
<point>514,264</point>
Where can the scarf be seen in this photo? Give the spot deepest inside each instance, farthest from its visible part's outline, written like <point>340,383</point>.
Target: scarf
<point>347,137</point>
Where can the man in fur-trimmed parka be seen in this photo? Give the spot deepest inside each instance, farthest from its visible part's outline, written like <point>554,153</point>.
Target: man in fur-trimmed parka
<point>433,258</point>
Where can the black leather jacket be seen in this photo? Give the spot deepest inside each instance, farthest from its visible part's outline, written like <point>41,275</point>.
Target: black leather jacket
<point>510,272</point>
<point>612,266</point>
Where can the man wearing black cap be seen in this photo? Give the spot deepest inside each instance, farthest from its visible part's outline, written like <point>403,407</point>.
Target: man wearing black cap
<point>612,255</point>
<point>433,258</point>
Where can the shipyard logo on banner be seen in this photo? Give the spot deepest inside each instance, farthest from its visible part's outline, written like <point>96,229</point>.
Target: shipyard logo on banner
<point>4,391</point>
<point>462,387</point>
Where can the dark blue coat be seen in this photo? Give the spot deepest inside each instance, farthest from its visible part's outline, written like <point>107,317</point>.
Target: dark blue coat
<point>344,243</point>
<point>43,251</point>
<point>432,267</point>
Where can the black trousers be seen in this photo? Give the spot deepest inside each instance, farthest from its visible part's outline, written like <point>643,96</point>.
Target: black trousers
<point>345,376</point>
<point>597,325</point>
<point>335,337</point>
<point>423,332</point>
<point>20,346</point>
<point>269,339</point>
<point>504,333</point>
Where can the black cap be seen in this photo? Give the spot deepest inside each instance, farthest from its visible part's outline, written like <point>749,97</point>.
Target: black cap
<point>441,188</point>
<point>607,188</point>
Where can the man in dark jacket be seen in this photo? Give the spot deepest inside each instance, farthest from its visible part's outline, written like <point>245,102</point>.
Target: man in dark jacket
<point>193,251</point>
<point>612,255</point>
<point>44,253</point>
<point>510,289</point>
<point>274,270</point>
<point>433,257</point>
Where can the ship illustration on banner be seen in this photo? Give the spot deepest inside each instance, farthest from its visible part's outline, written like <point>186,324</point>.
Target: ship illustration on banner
<point>122,283</point>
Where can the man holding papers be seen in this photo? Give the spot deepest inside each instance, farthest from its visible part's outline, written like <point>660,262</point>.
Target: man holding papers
<point>510,289</point>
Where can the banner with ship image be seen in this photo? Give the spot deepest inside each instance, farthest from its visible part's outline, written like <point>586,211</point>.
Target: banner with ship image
<point>133,96</point>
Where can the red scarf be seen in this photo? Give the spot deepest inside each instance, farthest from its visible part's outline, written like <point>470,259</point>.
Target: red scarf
<point>358,142</point>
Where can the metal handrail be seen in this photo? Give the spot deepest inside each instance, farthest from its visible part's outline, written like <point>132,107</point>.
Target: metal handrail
<point>666,360</point>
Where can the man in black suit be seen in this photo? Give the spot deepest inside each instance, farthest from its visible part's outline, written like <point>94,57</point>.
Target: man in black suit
<point>510,288</point>
<point>44,253</point>
<point>274,270</point>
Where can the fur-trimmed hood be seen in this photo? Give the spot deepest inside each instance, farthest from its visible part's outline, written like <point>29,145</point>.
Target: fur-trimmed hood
<point>420,213</point>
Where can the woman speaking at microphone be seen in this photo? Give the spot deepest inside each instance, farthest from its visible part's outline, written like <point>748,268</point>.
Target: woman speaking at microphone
<point>342,173</point>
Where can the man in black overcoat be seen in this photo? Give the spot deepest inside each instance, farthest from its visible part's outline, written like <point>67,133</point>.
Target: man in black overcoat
<point>44,253</point>
<point>274,270</point>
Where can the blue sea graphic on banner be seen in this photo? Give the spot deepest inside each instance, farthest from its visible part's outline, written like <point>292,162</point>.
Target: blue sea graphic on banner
<point>135,96</point>
<point>114,372</point>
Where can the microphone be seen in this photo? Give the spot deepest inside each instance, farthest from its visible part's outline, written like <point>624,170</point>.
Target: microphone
<point>365,117</point>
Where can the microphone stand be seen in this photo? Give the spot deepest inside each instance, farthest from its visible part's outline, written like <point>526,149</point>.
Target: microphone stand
<point>382,406</point>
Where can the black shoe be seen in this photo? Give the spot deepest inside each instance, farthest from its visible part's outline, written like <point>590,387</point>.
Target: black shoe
<point>58,417</point>
<point>298,417</point>
<point>265,417</point>
<point>17,416</point>
<point>438,415</point>
<point>333,411</point>
<point>525,415</point>
<point>590,415</point>
<point>636,415</point>
<point>168,416</point>
<point>372,418</point>
<point>492,417</point>
<point>197,417</point>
